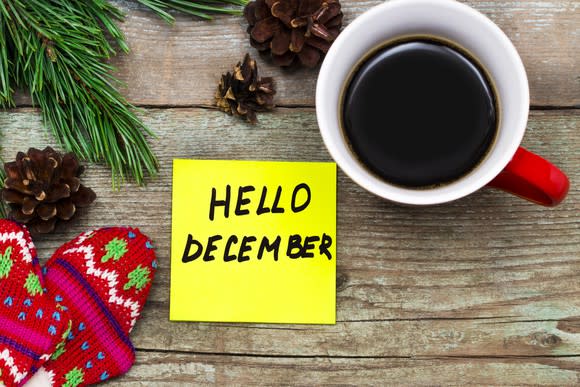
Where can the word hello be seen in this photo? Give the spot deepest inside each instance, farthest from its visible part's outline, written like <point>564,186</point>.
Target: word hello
<point>262,208</point>
<point>242,248</point>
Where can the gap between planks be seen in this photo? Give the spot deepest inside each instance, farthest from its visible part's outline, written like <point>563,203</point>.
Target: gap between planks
<point>417,357</point>
<point>286,106</point>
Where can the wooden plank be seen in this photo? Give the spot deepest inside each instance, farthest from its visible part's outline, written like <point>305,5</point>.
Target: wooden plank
<point>180,65</point>
<point>504,337</point>
<point>487,255</point>
<point>431,295</point>
<point>160,369</point>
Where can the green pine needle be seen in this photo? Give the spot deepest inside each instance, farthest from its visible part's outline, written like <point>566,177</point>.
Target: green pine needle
<point>199,8</point>
<point>56,49</point>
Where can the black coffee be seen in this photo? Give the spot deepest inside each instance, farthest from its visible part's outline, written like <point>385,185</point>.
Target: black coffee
<point>419,113</point>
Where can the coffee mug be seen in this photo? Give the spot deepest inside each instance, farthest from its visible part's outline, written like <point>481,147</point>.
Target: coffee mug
<point>507,166</point>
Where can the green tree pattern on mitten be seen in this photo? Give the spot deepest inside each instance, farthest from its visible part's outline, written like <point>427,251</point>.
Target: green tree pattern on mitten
<point>59,350</point>
<point>116,248</point>
<point>32,284</point>
<point>138,278</point>
<point>6,262</point>
<point>74,377</point>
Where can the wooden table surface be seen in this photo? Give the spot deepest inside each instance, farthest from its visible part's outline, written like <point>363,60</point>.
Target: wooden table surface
<point>485,290</point>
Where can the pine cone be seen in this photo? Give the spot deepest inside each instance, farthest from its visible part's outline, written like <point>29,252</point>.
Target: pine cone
<point>43,187</point>
<point>243,93</point>
<point>293,28</point>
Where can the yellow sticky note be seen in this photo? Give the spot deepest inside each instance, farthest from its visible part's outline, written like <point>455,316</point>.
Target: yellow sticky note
<point>253,241</point>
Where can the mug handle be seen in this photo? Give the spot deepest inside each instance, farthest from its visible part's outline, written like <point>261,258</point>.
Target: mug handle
<point>533,178</point>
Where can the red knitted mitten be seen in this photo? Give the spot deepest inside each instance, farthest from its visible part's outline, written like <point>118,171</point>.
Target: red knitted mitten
<point>103,277</point>
<point>31,323</point>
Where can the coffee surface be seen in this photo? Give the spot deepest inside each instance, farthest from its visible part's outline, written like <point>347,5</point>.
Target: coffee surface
<point>419,113</point>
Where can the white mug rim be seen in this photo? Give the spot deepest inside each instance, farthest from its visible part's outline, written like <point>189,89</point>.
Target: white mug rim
<point>328,119</point>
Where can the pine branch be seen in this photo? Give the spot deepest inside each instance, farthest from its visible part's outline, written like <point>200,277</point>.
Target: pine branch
<point>57,50</point>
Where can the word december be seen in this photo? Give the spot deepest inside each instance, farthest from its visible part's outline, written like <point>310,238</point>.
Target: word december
<point>296,245</point>
<point>295,248</point>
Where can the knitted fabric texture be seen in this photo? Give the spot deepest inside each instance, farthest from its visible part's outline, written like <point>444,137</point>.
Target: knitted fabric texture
<point>103,277</point>
<point>31,323</point>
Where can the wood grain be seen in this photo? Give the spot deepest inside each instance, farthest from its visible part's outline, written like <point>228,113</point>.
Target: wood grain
<point>180,64</point>
<point>161,369</point>
<point>503,337</point>
<point>481,291</point>
<point>487,276</point>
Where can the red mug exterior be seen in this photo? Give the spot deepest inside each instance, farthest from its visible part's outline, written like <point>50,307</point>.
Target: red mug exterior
<point>533,178</point>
